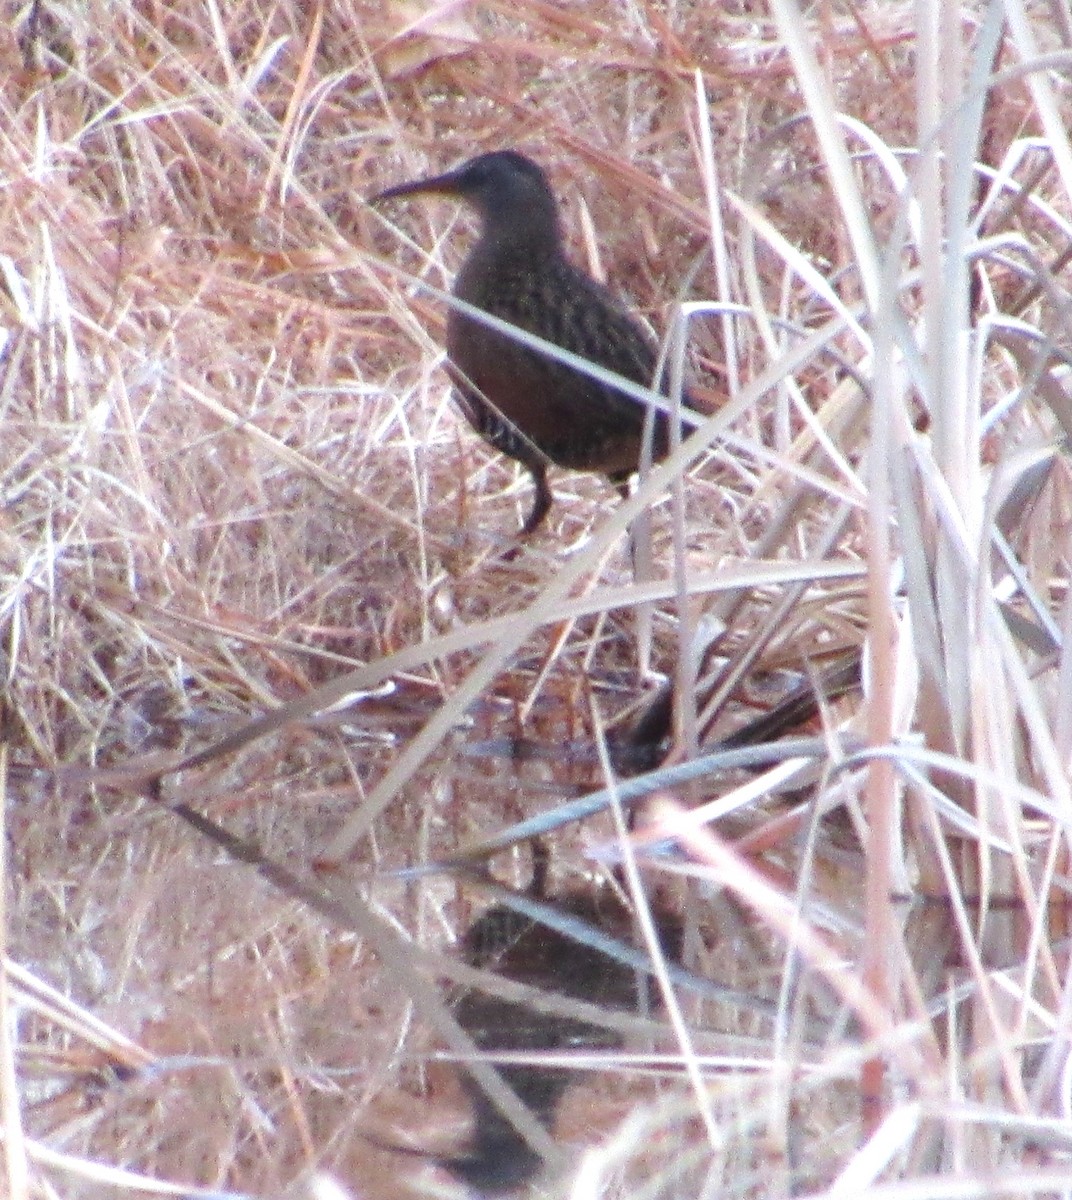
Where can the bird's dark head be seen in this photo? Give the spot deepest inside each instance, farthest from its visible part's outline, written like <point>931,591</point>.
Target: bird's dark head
<point>508,190</point>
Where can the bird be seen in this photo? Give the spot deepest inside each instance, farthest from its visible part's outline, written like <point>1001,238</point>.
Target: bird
<point>526,404</point>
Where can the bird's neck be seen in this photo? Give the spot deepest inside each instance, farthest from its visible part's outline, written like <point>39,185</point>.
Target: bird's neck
<point>520,230</point>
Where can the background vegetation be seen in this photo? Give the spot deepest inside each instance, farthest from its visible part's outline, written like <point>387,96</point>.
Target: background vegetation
<point>233,483</point>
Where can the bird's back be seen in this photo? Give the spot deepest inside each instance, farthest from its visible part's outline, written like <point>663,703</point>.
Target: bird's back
<point>573,419</point>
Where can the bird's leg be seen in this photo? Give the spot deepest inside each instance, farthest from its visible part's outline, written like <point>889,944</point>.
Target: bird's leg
<point>642,562</point>
<point>543,501</point>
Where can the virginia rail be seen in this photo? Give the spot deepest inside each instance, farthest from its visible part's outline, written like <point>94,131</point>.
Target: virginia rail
<point>526,404</point>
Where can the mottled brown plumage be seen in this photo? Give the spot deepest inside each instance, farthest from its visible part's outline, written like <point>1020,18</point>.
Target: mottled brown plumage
<point>523,402</point>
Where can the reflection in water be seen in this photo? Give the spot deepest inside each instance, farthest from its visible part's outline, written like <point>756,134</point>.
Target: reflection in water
<point>510,944</point>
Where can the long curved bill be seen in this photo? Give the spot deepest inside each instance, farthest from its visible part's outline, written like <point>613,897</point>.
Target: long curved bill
<point>445,184</point>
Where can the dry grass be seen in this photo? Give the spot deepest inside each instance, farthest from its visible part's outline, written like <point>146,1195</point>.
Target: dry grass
<point>233,483</point>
